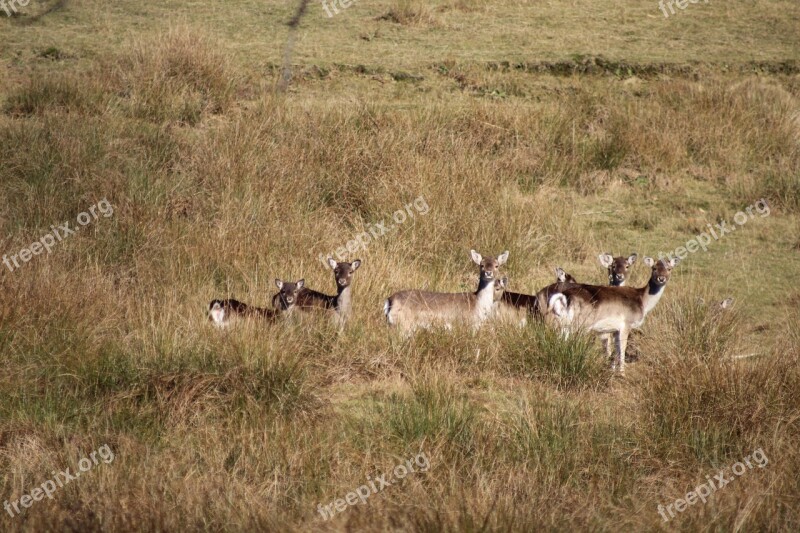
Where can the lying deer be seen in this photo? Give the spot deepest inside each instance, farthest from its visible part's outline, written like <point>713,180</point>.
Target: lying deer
<point>411,309</point>
<point>610,310</point>
<point>309,300</point>
<point>222,312</point>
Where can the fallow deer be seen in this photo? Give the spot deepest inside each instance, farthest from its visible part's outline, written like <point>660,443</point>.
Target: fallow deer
<point>222,312</point>
<point>610,310</point>
<point>517,306</point>
<point>411,309</point>
<point>617,267</point>
<point>309,300</point>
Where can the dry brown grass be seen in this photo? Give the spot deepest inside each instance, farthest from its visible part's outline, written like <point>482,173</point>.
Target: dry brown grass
<point>219,186</point>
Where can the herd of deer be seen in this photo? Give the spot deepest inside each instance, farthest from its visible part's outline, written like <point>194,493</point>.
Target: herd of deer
<point>610,311</point>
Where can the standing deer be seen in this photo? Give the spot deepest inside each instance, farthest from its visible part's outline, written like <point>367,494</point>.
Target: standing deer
<point>411,309</point>
<point>617,268</point>
<point>610,310</point>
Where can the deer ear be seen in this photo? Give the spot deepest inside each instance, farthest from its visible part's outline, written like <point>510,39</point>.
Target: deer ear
<point>632,258</point>
<point>605,260</point>
<point>476,257</point>
<point>501,260</point>
<point>726,303</point>
<point>673,261</point>
<point>649,261</point>
<point>332,263</point>
<point>279,284</point>
<point>355,264</point>
<point>504,282</point>
<point>561,276</point>
<point>301,283</point>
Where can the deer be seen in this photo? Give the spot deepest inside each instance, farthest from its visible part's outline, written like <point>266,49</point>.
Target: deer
<point>517,306</point>
<point>617,267</point>
<point>340,305</point>
<point>610,311</point>
<point>222,312</point>
<point>410,309</point>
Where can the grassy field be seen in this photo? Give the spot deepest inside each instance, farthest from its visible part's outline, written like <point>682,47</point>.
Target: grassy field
<point>553,129</point>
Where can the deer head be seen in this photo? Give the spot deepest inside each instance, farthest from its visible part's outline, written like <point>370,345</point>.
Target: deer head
<point>288,292</point>
<point>617,267</point>
<point>343,272</point>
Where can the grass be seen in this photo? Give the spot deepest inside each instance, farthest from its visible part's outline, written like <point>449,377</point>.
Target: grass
<point>556,131</point>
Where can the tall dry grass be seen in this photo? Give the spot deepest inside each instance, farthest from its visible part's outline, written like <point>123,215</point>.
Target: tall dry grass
<point>219,188</point>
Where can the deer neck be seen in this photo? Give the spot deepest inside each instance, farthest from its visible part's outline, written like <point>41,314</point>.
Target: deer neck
<point>344,300</point>
<point>485,297</point>
<point>652,294</point>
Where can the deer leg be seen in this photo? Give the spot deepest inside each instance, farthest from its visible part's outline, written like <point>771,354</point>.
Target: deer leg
<point>605,338</point>
<point>622,342</point>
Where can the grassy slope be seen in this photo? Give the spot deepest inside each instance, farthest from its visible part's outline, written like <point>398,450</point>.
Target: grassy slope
<point>219,187</point>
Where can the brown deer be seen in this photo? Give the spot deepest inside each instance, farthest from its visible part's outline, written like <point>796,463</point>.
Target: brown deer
<point>517,306</point>
<point>309,300</point>
<point>617,267</point>
<point>411,309</point>
<point>610,310</point>
<point>222,312</point>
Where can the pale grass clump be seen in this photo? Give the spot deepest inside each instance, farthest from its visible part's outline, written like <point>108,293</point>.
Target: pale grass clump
<point>412,13</point>
<point>697,399</point>
<point>179,76</point>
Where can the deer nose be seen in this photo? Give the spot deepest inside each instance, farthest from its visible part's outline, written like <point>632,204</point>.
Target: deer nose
<point>289,299</point>
<point>342,281</point>
<point>489,274</point>
<point>662,279</point>
<point>620,276</point>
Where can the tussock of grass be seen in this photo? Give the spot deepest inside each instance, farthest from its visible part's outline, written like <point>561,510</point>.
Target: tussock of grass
<point>698,400</point>
<point>58,93</point>
<point>411,13</point>
<point>542,353</point>
<point>180,77</point>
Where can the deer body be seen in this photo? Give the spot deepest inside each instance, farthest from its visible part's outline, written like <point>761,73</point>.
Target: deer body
<point>223,312</point>
<point>609,311</point>
<point>412,309</point>
<point>517,306</point>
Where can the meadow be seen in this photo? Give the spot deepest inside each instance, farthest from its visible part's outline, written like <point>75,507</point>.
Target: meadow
<point>556,130</point>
